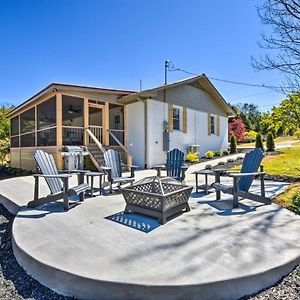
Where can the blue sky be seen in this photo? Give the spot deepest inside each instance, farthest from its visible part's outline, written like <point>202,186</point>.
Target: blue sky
<point>116,43</point>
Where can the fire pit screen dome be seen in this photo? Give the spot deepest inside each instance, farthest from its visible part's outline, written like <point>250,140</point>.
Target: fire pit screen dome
<point>157,197</point>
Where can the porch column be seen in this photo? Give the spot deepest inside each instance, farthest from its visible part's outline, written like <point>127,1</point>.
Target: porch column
<point>85,120</point>
<point>106,125</point>
<point>59,134</point>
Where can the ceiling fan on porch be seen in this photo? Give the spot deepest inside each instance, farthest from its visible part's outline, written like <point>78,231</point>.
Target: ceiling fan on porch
<point>73,110</point>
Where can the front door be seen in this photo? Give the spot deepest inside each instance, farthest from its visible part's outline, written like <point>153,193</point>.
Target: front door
<point>96,115</point>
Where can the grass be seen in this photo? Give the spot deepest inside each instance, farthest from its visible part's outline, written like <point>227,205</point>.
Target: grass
<point>285,164</point>
<point>279,139</point>
<point>290,198</point>
<point>285,199</point>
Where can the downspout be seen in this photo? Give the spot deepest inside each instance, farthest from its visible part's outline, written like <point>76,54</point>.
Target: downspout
<point>144,101</point>
<point>146,132</point>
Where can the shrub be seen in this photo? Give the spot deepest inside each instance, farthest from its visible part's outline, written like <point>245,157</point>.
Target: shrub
<point>232,144</point>
<point>208,167</point>
<point>239,158</point>
<point>209,154</point>
<point>297,133</point>
<point>295,206</point>
<point>217,153</point>
<point>250,136</point>
<point>230,160</point>
<point>259,142</point>
<point>193,157</point>
<point>270,142</point>
<point>225,152</point>
<point>221,163</point>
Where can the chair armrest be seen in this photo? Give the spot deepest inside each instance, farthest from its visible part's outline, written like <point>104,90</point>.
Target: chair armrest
<point>246,174</point>
<point>184,167</point>
<point>131,166</point>
<point>106,168</point>
<point>53,176</point>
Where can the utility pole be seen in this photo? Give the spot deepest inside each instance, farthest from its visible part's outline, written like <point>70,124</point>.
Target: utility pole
<point>166,70</point>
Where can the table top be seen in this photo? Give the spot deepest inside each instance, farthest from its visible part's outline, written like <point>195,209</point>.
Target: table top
<point>204,171</point>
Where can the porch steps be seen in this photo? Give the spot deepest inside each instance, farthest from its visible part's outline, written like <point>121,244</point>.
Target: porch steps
<point>96,156</point>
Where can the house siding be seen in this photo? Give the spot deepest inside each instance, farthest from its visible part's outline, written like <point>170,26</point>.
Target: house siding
<point>136,133</point>
<point>192,97</point>
<point>197,133</point>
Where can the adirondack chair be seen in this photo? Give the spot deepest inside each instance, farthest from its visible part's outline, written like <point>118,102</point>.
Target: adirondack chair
<point>113,169</point>
<point>175,165</point>
<point>57,183</point>
<point>242,181</point>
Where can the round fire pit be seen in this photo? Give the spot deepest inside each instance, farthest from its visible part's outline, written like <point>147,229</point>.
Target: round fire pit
<point>157,197</point>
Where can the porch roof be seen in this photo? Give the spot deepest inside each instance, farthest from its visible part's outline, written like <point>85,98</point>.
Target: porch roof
<point>203,81</point>
<point>55,87</point>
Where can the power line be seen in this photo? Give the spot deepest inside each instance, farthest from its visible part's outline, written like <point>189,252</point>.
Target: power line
<point>171,68</point>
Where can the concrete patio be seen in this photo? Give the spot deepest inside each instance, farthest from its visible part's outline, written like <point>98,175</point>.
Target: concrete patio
<point>94,251</point>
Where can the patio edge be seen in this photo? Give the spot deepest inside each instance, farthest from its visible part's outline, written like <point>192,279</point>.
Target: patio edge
<point>70,284</point>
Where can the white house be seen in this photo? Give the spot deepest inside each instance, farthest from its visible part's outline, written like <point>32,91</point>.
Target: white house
<point>143,124</point>
<point>176,115</point>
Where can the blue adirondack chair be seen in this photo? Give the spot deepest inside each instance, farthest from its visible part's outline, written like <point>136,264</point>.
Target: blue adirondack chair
<point>113,169</point>
<point>175,165</point>
<point>242,181</point>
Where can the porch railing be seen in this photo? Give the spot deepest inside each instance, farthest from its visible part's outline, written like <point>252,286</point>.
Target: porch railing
<point>73,135</point>
<point>97,132</point>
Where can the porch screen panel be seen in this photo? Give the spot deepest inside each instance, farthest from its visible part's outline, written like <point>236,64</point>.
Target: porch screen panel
<point>27,120</point>
<point>28,140</point>
<point>72,120</point>
<point>46,137</point>
<point>14,132</point>
<point>46,114</point>
<point>14,126</point>
<point>72,111</point>
<point>14,142</point>
<point>27,125</point>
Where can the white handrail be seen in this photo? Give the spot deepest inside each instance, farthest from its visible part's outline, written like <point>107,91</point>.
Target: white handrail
<point>95,140</point>
<point>129,157</point>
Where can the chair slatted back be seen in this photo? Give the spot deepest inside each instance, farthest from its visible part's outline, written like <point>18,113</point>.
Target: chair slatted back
<point>47,166</point>
<point>113,160</point>
<point>251,163</point>
<point>175,159</point>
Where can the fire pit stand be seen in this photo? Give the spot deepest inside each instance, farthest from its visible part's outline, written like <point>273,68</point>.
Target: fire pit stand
<point>157,197</point>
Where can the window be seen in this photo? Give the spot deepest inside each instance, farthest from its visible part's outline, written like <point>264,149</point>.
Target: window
<point>27,121</point>
<point>176,118</point>
<point>46,114</point>
<point>212,125</point>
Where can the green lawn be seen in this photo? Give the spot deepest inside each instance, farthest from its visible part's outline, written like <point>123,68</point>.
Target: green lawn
<point>287,163</point>
<point>279,139</point>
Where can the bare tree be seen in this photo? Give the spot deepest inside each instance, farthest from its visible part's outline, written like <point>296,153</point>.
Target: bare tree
<point>282,45</point>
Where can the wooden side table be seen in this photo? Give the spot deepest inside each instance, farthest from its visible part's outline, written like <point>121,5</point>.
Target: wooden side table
<point>92,175</point>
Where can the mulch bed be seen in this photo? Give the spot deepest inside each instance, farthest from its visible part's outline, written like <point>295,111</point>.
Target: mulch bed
<point>16,284</point>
